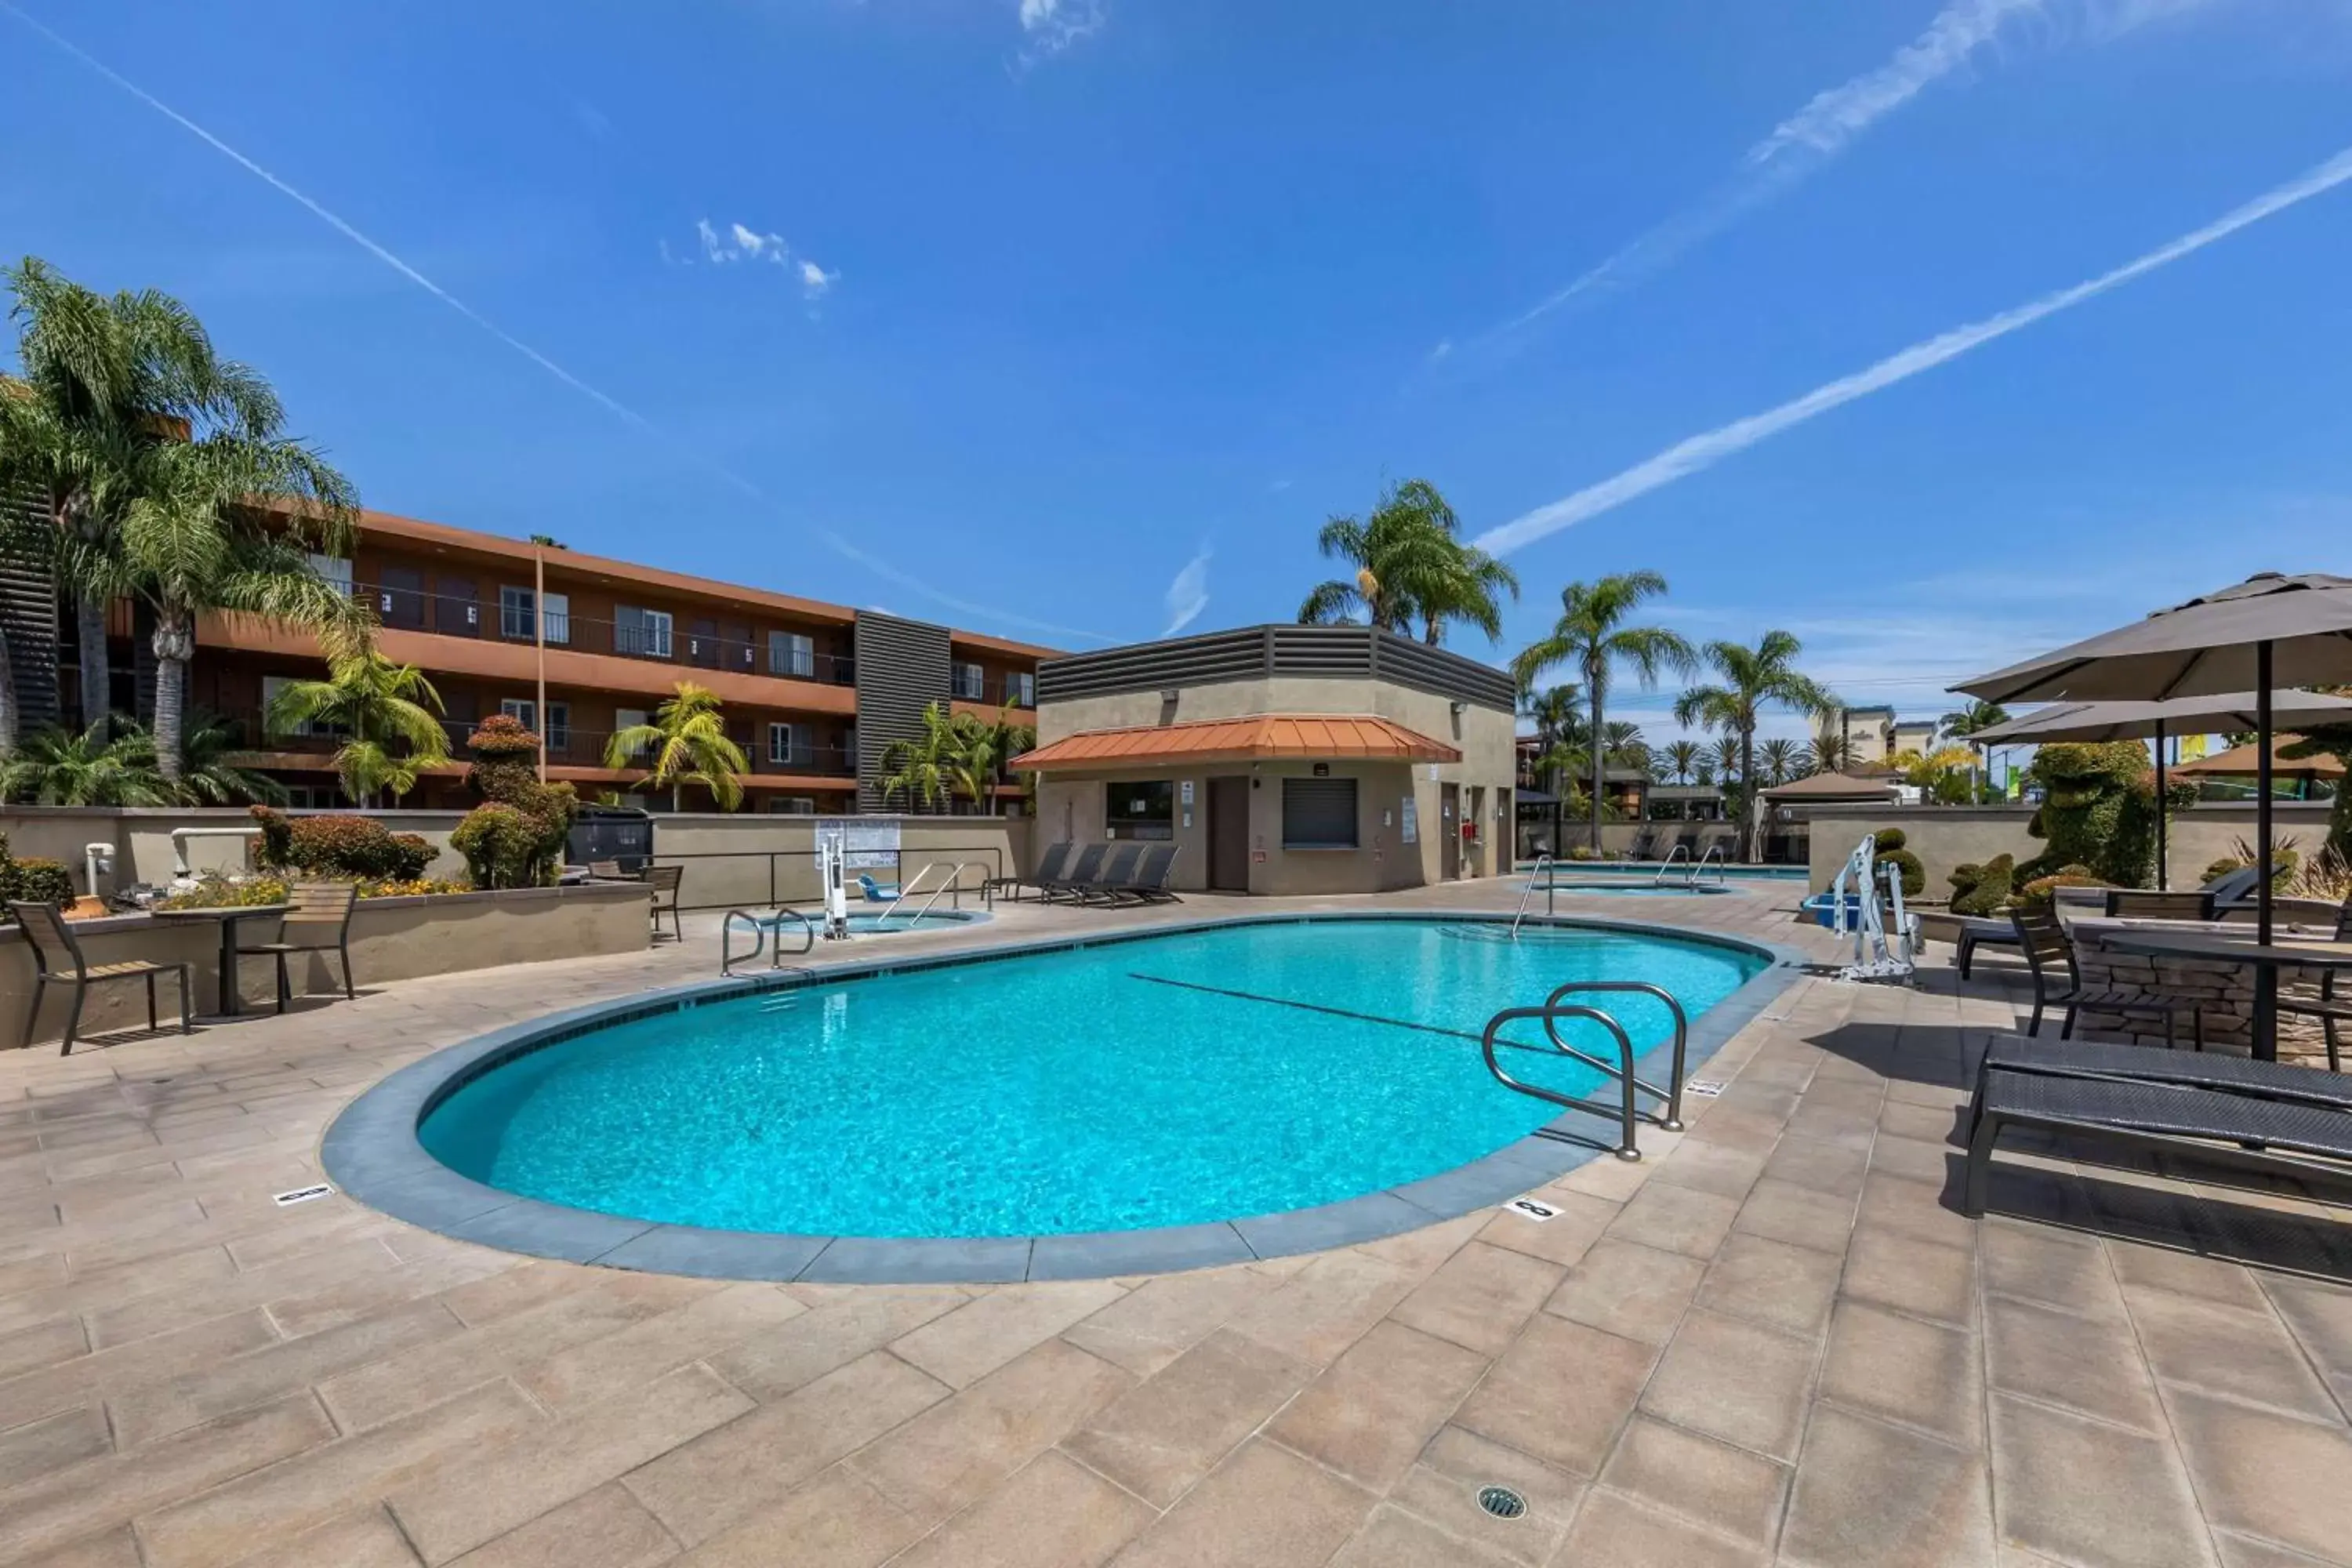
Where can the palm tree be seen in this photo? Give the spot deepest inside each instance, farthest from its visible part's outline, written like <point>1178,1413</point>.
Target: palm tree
<point>1974,719</point>
<point>1682,760</point>
<point>1410,563</point>
<point>1780,759</point>
<point>1728,760</point>
<point>1559,740</point>
<point>981,747</point>
<point>1748,679</point>
<point>123,402</point>
<point>207,776</point>
<point>685,743</point>
<point>388,713</point>
<point>1831,751</point>
<point>1626,747</point>
<point>86,767</point>
<point>1592,635</point>
<point>922,771</point>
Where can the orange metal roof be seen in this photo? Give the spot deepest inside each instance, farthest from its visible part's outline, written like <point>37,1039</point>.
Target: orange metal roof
<point>1264,738</point>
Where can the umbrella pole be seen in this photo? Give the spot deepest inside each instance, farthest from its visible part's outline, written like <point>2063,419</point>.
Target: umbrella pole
<point>2163,871</point>
<point>2265,1020</point>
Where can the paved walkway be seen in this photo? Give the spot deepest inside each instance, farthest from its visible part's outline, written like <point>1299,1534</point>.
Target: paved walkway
<point>1772,1340</point>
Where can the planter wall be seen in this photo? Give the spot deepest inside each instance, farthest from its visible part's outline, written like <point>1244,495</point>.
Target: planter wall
<point>391,939</point>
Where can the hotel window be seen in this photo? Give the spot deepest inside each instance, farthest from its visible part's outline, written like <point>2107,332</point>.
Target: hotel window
<point>1144,810</point>
<point>335,568</point>
<point>790,653</point>
<point>645,633</point>
<point>782,747</point>
<point>629,719</point>
<point>271,685</point>
<point>1318,814</point>
<point>521,710</point>
<point>968,681</point>
<point>514,616</point>
<point>558,733</point>
<point>791,804</point>
<point>1021,688</point>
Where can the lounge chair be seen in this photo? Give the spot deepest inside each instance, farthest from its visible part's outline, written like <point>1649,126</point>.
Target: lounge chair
<point>2274,1135</point>
<point>320,922</point>
<point>58,957</point>
<point>2326,1007</point>
<point>1152,873</point>
<point>1085,872</point>
<point>2046,945</point>
<point>1049,866</point>
<point>1645,842</point>
<point>1983,930</point>
<point>2138,904</point>
<point>2212,1071</point>
<point>665,881</point>
<point>1117,872</point>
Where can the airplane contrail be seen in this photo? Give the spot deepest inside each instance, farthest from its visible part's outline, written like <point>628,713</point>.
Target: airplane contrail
<point>831,539</point>
<point>1703,451</point>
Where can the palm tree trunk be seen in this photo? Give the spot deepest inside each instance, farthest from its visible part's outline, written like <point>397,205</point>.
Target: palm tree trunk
<point>97,681</point>
<point>1747,791</point>
<point>8,717</point>
<point>174,643</point>
<point>1600,749</point>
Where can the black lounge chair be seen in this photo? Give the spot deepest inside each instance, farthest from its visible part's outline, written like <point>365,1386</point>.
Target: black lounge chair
<point>2273,1135</point>
<point>1152,871</point>
<point>2139,904</point>
<point>2215,1072</point>
<point>2046,945</point>
<point>1049,867</point>
<point>2326,1007</point>
<point>1983,930</point>
<point>1644,843</point>
<point>1117,872</point>
<point>1085,872</point>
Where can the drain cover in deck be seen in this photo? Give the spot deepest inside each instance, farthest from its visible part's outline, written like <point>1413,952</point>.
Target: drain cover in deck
<point>1502,1502</point>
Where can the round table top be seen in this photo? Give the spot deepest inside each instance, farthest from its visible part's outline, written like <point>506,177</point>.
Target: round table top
<point>2310,951</point>
<point>221,911</point>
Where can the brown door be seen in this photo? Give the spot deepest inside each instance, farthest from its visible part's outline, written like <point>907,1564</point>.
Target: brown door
<point>1229,862</point>
<point>455,611</point>
<point>1449,823</point>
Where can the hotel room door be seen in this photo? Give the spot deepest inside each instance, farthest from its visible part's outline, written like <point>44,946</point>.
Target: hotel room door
<point>1229,862</point>
<point>1449,823</point>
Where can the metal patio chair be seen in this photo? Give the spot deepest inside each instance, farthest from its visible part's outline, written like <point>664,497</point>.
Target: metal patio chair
<point>58,958</point>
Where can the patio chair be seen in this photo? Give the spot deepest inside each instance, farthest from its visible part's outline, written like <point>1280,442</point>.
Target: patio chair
<point>1049,866</point>
<point>609,871</point>
<point>665,881</point>
<point>2047,945</point>
<point>58,957</point>
<point>2138,904</point>
<point>2216,1071</point>
<point>1643,842</point>
<point>320,922</point>
<point>1983,930</point>
<point>2326,1007</point>
<point>1152,873</point>
<point>2260,1133</point>
<point>1083,873</point>
<point>1117,872</point>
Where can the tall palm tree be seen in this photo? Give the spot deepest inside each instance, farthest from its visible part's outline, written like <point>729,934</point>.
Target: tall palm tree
<point>685,742</point>
<point>981,747</point>
<point>1831,751</point>
<point>922,771</point>
<point>208,777</point>
<point>1411,565</point>
<point>1592,637</point>
<point>1778,760</point>
<point>1728,760</point>
<point>1967,723</point>
<point>1559,738</point>
<point>388,714</point>
<point>86,767</point>
<point>1682,760</point>
<point>1747,678</point>
<point>109,386</point>
<point>1626,747</point>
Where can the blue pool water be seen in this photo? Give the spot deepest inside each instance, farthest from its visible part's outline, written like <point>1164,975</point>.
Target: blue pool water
<point>1165,1080</point>
<point>1644,886</point>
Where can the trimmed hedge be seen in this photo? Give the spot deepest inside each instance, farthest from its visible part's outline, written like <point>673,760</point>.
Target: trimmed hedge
<point>34,879</point>
<point>516,838</point>
<point>1983,889</point>
<point>359,848</point>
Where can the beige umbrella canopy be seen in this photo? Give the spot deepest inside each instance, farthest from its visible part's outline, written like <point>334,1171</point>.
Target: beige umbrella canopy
<point>2246,762</point>
<point>2094,722</point>
<point>2269,631</point>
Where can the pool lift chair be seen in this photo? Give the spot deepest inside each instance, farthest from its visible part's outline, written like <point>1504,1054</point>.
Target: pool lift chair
<point>1855,897</point>
<point>833,861</point>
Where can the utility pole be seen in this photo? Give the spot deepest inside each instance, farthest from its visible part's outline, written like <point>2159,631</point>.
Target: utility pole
<point>539,648</point>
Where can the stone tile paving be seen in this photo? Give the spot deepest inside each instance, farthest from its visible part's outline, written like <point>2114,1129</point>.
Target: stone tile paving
<point>1774,1340</point>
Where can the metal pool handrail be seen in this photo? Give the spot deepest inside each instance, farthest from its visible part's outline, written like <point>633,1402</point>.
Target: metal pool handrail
<point>1722,874</point>
<point>1549,1013</point>
<point>906,889</point>
<point>760,930</point>
<point>1667,864</point>
<point>1543,866</point>
<point>1673,1093</point>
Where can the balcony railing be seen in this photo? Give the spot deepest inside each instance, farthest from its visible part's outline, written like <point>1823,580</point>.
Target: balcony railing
<point>565,747</point>
<point>662,641</point>
<point>995,690</point>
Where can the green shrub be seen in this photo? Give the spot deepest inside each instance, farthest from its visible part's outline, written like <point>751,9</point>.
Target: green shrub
<point>38,881</point>
<point>523,846</point>
<point>2044,890</point>
<point>2223,867</point>
<point>500,845</point>
<point>354,849</point>
<point>2099,810</point>
<point>1890,839</point>
<point>1915,875</point>
<point>1983,889</point>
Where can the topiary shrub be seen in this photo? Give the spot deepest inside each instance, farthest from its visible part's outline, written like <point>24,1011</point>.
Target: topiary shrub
<point>500,843</point>
<point>1888,845</point>
<point>515,839</point>
<point>38,881</point>
<point>351,847</point>
<point>1983,889</point>
<point>1889,840</point>
<point>2099,810</point>
<point>2044,890</point>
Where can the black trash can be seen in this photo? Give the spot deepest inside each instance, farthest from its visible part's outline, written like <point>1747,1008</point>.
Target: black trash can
<point>621,833</point>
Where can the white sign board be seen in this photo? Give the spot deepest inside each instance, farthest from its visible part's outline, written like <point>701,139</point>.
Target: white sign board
<point>1412,821</point>
<point>1186,788</point>
<point>870,844</point>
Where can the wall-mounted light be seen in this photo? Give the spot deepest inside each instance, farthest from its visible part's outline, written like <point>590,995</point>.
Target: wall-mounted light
<point>1170,693</point>
<point>1459,707</point>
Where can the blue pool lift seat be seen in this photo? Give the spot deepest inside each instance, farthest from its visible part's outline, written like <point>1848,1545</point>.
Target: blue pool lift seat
<point>877,892</point>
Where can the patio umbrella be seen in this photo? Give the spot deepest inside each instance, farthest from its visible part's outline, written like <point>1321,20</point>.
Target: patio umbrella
<point>2096,721</point>
<point>2269,630</point>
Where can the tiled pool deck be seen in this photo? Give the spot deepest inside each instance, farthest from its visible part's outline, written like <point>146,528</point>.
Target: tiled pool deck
<point>1773,1339</point>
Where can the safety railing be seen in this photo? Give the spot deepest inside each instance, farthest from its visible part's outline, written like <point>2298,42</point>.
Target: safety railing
<point>721,878</point>
<point>1626,1109</point>
<point>767,933</point>
<point>1681,851</point>
<point>952,883</point>
<point>1543,868</point>
<point>1698,867</point>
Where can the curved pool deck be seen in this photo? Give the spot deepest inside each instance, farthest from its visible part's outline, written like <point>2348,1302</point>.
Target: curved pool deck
<point>374,1153</point>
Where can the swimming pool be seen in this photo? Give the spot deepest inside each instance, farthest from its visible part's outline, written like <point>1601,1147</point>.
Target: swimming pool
<point>1179,1079</point>
<point>1679,869</point>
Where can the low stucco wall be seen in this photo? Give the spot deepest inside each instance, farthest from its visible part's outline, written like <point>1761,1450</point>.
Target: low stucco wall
<point>1944,836</point>
<point>742,861</point>
<point>141,838</point>
<point>391,939</point>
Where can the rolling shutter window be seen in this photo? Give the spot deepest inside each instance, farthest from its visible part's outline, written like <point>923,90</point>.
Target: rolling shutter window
<point>1318,814</point>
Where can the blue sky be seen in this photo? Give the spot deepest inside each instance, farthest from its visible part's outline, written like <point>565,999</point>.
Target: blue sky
<point>1063,318</point>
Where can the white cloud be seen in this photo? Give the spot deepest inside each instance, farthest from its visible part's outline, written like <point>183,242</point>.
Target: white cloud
<point>1703,451</point>
<point>741,242</point>
<point>1830,119</point>
<point>1188,594</point>
<point>1053,25</point>
<point>815,280</point>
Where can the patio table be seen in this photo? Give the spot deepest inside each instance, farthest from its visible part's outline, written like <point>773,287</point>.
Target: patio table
<point>2266,959</point>
<point>227,917</point>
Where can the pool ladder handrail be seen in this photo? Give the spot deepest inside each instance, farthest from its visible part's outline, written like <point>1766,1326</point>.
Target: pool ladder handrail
<point>1627,1112</point>
<point>1544,866</point>
<point>761,928</point>
<point>1667,865</point>
<point>955,874</point>
<point>1722,871</point>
